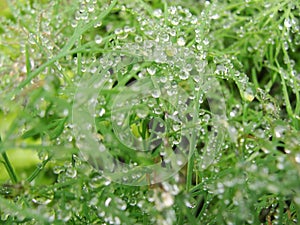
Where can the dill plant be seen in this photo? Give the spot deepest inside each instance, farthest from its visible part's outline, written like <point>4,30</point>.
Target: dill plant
<point>243,171</point>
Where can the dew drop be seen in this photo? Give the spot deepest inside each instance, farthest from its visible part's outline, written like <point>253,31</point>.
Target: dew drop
<point>156,93</point>
<point>138,39</point>
<point>74,23</point>
<point>167,198</point>
<point>102,147</point>
<point>297,158</point>
<point>43,155</point>
<point>248,95</point>
<point>142,112</point>
<point>170,51</point>
<point>184,75</point>
<point>175,21</point>
<point>98,24</point>
<point>287,23</point>
<point>157,13</point>
<point>58,169</point>
<point>71,172</point>
<point>98,39</point>
<point>181,41</point>
<point>151,70</point>
<point>101,112</point>
<point>215,16</point>
<point>31,38</point>
<point>107,202</point>
<point>205,41</point>
<point>44,198</point>
<point>279,131</point>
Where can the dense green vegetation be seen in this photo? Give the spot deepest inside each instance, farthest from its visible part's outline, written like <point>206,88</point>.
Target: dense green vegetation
<point>149,112</point>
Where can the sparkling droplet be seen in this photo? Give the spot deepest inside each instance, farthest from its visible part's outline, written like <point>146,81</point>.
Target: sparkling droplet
<point>181,41</point>
<point>297,158</point>
<point>205,41</point>
<point>101,112</point>
<point>32,38</point>
<point>157,13</point>
<point>151,70</point>
<point>184,75</point>
<point>215,16</point>
<point>98,24</point>
<point>138,39</point>
<point>168,199</point>
<point>156,93</point>
<point>142,112</point>
<point>44,199</point>
<point>107,202</point>
<point>71,172</point>
<point>287,23</point>
<point>98,39</point>
<point>248,95</point>
<point>102,147</point>
<point>43,155</point>
<point>171,51</point>
<point>279,131</point>
<point>58,169</point>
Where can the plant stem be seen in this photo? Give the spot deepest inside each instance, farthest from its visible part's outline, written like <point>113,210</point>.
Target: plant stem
<point>190,165</point>
<point>37,171</point>
<point>9,168</point>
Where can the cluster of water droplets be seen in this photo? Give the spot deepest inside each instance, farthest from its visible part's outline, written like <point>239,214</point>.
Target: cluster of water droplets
<point>170,63</point>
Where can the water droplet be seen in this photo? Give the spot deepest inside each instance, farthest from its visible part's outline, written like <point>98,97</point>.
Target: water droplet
<point>297,158</point>
<point>205,41</point>
<point>71,172</point>
<point>91,8</point>
<point>179,162</point>
<point>101,112</point>
<point>181,41</point>
<point>96,181</point>
<point>175,21</point>
<point>142,112</point>
<point>138,39</point>
<point>58,169</point>
<point>98,24</point>
<point>165,37</point>
<point>74,23</point>
<point>248,95</point>
<point>44,198</point>
<point>151,70</point>
<point>279,131</point>
<point>168,199</point>
<point>184,75</point>
<point>118,31</point>
<point>107,202</point>
<point>98,39</point>
<point>215,16</point>
<point>31,38</point>
<point>43,155</point>
<point>121,204</point>
<point>170,51</point>
<point>4,216</point>
<point>157,13</point>
<point>107,182</point>
<point>176,127</point>
<point>287,23</point>
<point>102,147</point>
<point>156,93</point>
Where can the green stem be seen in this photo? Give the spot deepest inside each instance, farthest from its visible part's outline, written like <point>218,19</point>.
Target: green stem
<point>37,171</point>
<point>79,58</point>
<point>190,165</point>
<point>9,168</point>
